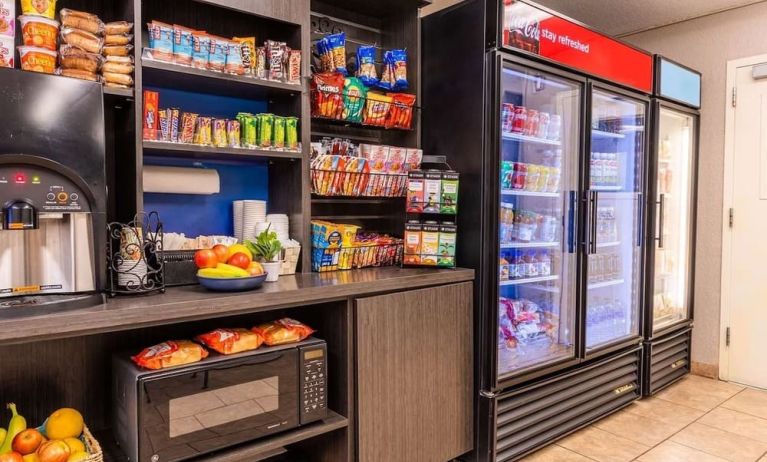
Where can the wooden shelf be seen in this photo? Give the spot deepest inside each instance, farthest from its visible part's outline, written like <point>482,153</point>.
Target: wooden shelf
<point>122,92</point>
<point>248,452</point>
<point>211,152</point>
<point>201,80</point>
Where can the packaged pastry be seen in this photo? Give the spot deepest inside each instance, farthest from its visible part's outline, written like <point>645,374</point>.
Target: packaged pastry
<point>161,41</point>
<point>117,85</point>
<point>200,49</point>
<point>118,27</point>
<point>231,341</point>
<point>217,58</point>
<point>116,67</point>
<point>234,64</point>
<point>79,74</point>
<point>247,53</point>
<point>45,8</point>
<point>6,51</point>
<point>117,50</point>
<point>285,330</point>
<point>82,40</point>
<point>121,79</point>
<point>182,45</point>
<point>38,31</point>
<point>169,354</point>
<point>37,59</point>
<point>81,20</point>
<point>8,18</point>
<point>75,58</point>
<point>118,39</point>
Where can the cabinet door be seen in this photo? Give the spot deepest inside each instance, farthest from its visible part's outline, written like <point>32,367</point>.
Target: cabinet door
<point>415,375</point>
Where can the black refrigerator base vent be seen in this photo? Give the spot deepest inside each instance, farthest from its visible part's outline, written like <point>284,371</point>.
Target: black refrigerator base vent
<point>669,360</point>
<point>528,419</point>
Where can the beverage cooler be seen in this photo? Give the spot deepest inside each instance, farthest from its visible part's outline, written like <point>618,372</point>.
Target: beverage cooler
<point>672,205</point>
<point>550,124</point>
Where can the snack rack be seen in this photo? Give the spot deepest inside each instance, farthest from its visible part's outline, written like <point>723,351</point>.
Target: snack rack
<point>432,211</point>
<point>361,110</point>
<point>349,184</point>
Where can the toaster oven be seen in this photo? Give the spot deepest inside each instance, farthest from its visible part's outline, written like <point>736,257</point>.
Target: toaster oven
<point>183,412</point>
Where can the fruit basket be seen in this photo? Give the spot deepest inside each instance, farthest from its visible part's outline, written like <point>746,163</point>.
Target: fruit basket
<point>95,454</point>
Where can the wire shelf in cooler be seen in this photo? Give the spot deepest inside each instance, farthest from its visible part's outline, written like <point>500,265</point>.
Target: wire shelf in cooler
<point>530,139</point>
<point>332,183</point>
<point>528,245</point>
<point>513,282</point>
<point>604,134</point>
<point>608,244</point>
<point>369,111</point>
<point>599,285</point>
<point>524,192</point>
<point>607,188</point>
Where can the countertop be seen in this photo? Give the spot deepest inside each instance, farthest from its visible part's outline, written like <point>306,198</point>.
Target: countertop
<point>191,303</point>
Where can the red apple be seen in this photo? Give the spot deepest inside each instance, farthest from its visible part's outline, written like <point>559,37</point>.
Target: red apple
<point>11,457</point>
<point>239,260</point>
<point>205,259</point>
<point>221,252</point>
<point>53,451</point>
<point>27,441</point>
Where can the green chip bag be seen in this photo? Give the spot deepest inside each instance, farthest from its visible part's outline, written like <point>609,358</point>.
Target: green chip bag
<point>354,99</point>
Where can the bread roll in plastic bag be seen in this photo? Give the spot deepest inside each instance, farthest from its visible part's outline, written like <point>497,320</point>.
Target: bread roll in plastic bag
<point>230,341</point>
<point>169,354</point>
<point>283,331</point>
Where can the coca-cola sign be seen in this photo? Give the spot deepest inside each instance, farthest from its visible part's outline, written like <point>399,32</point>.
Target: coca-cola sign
<point>536,31</point>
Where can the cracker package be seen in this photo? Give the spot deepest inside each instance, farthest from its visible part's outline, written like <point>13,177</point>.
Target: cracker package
<point>231,341</point>
<point>169,354</point>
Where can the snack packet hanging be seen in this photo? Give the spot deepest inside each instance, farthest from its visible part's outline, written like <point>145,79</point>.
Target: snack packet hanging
<point>337,46</point>
<point>366,65</point>
<point>387,73</point>
<point>169,354</point>
<point>283,331</point>
<point>231,341</point>
<point>398,63</point>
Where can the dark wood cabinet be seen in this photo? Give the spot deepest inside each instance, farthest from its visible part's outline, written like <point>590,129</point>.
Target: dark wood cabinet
<point>414,375</point>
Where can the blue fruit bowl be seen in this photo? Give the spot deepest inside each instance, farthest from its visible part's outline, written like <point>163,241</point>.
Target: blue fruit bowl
<point>232,284</point>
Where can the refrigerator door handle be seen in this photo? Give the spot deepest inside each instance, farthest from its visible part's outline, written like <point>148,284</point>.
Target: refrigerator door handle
<point>641,219</point>
<point>661,213</point>
<point>571,214</point>
<point>591,239</point>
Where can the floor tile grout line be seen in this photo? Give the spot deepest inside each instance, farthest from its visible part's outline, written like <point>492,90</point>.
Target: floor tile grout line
<point>576,452</point>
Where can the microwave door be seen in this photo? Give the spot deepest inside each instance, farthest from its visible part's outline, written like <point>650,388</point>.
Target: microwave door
<point>210,408</point>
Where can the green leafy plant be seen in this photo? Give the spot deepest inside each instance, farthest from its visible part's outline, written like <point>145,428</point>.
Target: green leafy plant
<point>266,247</point>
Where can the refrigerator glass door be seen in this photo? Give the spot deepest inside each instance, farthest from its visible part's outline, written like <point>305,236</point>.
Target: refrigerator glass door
<point>613,235</point>
<point>539,146</point>
<point>674,186</point>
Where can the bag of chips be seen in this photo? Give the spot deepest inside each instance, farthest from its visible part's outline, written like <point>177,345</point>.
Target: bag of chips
<point>169,354</point>
<point>231,341</point>
<point>354,99</point>
<point>327,92</point>
<point>398,63</point>
<point>366,65</point>
<point>401,113</point>
<point>376,109</point>
<point>283,331</point>
<point>336,44</point>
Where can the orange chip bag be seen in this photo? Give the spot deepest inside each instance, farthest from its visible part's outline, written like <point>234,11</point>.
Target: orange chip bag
<point>169,354</point>
<point>282,331</point>
<point>230,341</point>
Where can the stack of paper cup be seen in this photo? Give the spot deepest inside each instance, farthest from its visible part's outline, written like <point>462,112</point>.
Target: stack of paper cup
<point>253,213</point>
<point>131,274</point>
<point>237,218</point>
<point>280,225</point>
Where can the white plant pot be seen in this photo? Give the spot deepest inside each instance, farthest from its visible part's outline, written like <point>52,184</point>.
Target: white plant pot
<point>272,269</point>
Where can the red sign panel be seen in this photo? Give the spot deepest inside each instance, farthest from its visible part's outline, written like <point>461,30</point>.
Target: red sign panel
<point>536,31</point>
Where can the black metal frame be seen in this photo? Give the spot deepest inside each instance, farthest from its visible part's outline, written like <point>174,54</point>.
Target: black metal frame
<point>636,339</point>
<point>657,79</point>
<point>648,351</point>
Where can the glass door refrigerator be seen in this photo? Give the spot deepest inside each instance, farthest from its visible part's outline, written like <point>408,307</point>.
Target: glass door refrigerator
<point>554,233</point>
<point>671,243</point>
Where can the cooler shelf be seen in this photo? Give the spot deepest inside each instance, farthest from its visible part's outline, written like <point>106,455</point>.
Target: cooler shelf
<point>530,139</point>
<point>523,192</point>
<point>529,245</point>
<point>514,282</point>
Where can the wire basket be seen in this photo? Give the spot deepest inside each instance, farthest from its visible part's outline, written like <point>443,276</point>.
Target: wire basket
<point>324,260</point>
<point>350,184</point>
<point>372,111</point>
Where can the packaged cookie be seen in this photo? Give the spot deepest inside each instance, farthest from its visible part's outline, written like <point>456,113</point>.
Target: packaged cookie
<point>8,18</point>
<point>38,31</point>
<point>45,8</point>
<point>182,45</point>
<point>81,20</point>
<point>160,41</point>
<point>81,39</point>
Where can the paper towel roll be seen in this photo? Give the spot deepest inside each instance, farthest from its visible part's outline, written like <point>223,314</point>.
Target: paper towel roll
<point>179,180</point>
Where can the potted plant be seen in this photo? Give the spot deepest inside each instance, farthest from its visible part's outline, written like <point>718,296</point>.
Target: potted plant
<point>268,249</point>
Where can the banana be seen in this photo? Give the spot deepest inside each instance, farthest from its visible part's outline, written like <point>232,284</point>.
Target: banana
<point>234,270</point>
<point>223,271</point>
<point>16,426</point>
<point>3,433</point>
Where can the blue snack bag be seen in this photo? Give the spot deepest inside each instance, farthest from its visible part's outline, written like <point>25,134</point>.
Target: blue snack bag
<point>337,45</point>
<point>399,68</point>
<point>366,65</point>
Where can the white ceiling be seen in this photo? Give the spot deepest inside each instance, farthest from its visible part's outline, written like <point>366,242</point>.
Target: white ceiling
<point>622,17</point>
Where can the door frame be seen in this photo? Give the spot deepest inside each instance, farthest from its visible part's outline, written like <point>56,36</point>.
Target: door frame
<point>727,203</point>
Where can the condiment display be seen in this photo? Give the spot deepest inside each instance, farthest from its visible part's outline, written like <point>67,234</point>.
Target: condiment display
<point>338,246</point>
<point>364,171</point>
<point>338,97</point>
<point>181,45</point>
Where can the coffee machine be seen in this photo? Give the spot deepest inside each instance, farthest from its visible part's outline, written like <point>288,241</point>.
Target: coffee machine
<point>52,191</point>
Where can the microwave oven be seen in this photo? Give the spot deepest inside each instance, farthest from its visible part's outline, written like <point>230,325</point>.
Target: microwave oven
<point>187,411</point>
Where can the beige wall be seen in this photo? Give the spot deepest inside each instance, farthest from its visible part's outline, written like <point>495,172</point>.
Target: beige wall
<point>707,44</point>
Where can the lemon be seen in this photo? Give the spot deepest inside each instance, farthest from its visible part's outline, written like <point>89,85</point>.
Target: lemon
<point>64,423</point>
<point>31,457</point>
<point>233,249</point>
<point>78,456</point>
<point>75,445</point>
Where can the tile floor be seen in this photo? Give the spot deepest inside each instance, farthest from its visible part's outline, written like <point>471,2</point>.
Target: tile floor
<point>695,420</point>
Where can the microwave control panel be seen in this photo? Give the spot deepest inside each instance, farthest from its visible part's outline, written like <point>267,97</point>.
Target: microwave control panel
<point>314,396</point>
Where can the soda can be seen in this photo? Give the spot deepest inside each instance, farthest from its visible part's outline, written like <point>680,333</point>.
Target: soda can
<point>507,117</point>
<point>520,119</point>
<point>544,119</point>
<point>533,120</point>
<point>291,133</point>
<point>278,139</point>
